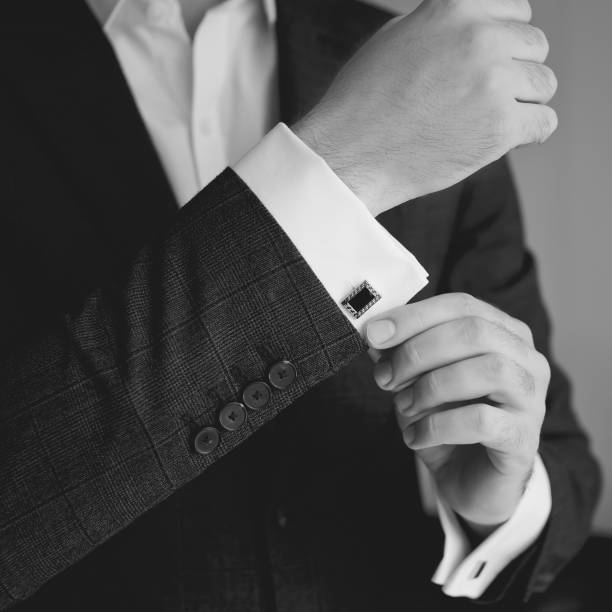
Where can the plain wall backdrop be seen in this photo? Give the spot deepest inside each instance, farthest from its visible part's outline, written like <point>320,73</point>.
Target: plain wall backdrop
<point>565,189</point>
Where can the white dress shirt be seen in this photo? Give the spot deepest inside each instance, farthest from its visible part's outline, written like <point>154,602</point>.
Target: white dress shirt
<point>212,102</point>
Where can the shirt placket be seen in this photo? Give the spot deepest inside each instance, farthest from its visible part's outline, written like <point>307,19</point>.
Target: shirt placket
<point>209,65</point>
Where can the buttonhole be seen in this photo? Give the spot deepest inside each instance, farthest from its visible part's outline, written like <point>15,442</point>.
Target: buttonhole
<point>478,570</point>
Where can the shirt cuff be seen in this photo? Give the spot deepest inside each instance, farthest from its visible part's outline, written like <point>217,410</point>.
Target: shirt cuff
<point>465,573</point>
<point>332,229</point>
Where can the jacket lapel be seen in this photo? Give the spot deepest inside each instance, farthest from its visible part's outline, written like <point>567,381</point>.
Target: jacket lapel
<point>76,97</point>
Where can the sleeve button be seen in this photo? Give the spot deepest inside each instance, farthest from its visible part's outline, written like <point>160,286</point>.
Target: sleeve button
<point>232,416</point>
<point>206,441</point>
<point>282,374</point>
<point>256,395</point>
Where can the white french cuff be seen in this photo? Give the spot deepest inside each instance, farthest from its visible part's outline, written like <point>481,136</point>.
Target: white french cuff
<point>332,229</point>
<point>468,574</point>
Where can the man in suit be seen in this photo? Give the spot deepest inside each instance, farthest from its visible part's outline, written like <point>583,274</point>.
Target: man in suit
<point>189,420</point>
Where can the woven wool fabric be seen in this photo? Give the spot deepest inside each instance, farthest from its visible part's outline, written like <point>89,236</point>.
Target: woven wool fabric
<point>127,325</point>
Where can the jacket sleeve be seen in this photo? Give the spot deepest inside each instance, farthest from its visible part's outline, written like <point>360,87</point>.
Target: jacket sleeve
<point>494,264</point>
<point>98,414</point>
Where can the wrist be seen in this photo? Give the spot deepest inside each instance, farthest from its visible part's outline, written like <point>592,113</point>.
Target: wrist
<point>349,166</point>
<point>488,519</point>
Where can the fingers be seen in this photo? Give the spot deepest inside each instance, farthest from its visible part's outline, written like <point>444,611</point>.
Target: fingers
<point>473,424</point>
<point>406,419</point>
<point>448,343</point>
<point>526,42</point>
<point>534,83</point>
<point>494,376</point>
<point>399,324</point>
<point>535,123</point>
<point>509,10</point>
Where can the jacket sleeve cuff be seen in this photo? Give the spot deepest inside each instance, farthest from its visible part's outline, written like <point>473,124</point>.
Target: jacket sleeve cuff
<point>466,573</point>
<point>332,229</point>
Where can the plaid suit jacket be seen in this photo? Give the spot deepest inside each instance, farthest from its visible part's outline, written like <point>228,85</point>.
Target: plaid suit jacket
<point>126,325</point>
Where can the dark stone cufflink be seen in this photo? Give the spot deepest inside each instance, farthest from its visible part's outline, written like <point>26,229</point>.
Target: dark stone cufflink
<point>361,299</point>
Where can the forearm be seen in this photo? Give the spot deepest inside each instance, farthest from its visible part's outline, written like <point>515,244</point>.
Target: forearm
<point>100,412</point>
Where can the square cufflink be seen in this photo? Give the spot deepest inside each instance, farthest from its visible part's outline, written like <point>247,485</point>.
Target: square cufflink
<point>361,299</point>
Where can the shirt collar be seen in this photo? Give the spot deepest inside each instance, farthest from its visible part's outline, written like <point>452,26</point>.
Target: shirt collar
<point>104,8</point>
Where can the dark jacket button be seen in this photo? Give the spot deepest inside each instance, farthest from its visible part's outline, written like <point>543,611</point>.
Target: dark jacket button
<point>256,395</point>
<point>206,441</point>
<point>282,374</point>
<point>232,416</point>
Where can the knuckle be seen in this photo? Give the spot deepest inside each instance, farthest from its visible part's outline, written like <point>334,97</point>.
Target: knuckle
<point>553,121</point>
<point>472,330</point>
<point>505,336</point>
<point>525,5</point>
<point>543,79</point>
<point>411,352</point>
<point>429,388</point>
<point>543,367</point>
<point>524,330</point>
<point>526,380</point>
<point>513,376</point>
<point>531,36</point>
<point>496,366</point>
<point>546,125</point>
<point>537,37</point>
<point>465,303</point>
<point>551,79</point>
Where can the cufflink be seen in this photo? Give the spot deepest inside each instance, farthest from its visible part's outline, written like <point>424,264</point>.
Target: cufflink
<point>361,299</point>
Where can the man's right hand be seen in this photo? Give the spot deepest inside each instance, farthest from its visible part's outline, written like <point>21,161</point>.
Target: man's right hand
<point>433,97</point>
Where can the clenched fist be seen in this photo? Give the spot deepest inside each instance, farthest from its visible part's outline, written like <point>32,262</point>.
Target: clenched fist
<point>470,392</point>
<point>433,97</point>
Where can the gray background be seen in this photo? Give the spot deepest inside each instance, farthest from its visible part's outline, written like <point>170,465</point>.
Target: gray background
<point>565,191</point>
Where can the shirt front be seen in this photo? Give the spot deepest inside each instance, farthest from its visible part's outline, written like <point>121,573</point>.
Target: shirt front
<point>207,101</point>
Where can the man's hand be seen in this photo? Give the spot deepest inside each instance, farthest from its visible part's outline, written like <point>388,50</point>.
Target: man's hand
<point>433,97</point>
<point>470,398</point>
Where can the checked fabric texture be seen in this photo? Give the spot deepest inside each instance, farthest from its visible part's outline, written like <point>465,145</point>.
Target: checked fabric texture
<point>125,326</point>
<point>109,402</point>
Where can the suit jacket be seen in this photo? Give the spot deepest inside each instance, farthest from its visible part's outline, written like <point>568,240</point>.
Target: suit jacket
<point>126,325</point>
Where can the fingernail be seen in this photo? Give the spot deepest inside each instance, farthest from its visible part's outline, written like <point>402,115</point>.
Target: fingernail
<point>383,373</point>
<point>409,435</point>
<point>380,331</point>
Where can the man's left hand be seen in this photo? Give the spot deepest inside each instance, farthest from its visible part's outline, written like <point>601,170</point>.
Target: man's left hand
<point>470,391</point>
